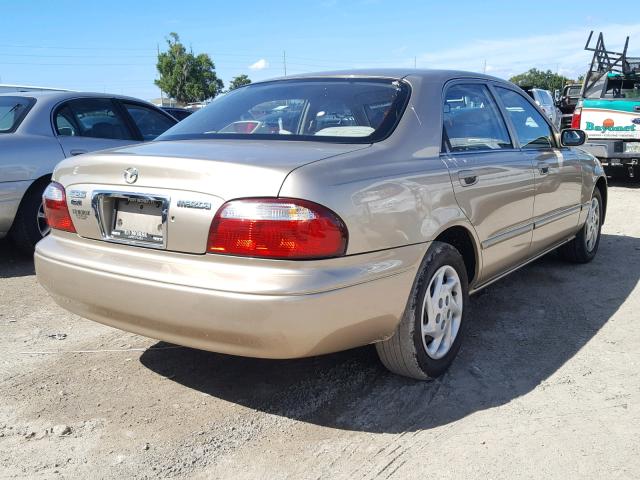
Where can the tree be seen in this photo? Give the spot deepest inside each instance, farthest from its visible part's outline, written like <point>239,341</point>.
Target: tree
<point>185,76</point>
<point>539,79</point>
<point>239,81</point>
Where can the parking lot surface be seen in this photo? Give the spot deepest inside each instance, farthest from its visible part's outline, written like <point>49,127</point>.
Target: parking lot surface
<point>546,386</point>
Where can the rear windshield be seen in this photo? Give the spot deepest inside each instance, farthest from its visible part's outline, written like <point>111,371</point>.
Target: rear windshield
<point>12,111</point>
<point>622,88</point>
<point>331,110</point>
<point>573,91</point>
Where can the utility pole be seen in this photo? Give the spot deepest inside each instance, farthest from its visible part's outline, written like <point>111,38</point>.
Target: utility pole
<point>484,66</point>
<point>284,62</point>
<point>415,62</point>
<point>161,99</point>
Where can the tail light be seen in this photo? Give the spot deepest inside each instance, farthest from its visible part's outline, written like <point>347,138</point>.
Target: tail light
<point>55,208</point>
<point>277,228</point>
<point>577,117</point>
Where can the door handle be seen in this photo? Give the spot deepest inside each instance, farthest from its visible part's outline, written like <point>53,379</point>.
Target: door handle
<point>543,167</point>
<point>78,152</point>
<point>467,178</point>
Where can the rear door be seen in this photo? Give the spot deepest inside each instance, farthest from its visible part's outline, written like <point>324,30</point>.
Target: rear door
<point>492,179</point>
<point>558,173</point>
<point>88,124</point>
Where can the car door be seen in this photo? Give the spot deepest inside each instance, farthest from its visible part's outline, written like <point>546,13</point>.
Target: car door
<point>492,179</point>
<point>87,124</point>
<point>149,121</point>
<point>558,174</point>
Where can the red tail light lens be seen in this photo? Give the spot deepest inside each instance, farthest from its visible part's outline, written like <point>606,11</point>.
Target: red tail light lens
<point>55,208</point>
<point>577,117</point>
<point>277,228</point>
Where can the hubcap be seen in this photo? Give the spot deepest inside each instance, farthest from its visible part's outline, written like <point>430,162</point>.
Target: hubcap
<point>592,226</point>
<point>43,226</point>
<point>441,312</point>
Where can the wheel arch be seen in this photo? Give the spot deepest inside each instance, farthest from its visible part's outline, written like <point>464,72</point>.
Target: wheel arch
<point>462,239</point>
<point>38,182</point>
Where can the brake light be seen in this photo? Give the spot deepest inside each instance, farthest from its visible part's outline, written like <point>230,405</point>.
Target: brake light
<point>577,117</point>
<point>277,228</point>
<point>55,208</point>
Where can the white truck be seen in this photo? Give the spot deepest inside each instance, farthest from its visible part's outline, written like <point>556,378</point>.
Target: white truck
<point>609,109</point>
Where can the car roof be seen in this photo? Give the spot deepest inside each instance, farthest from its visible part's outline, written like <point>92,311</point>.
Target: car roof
<point>58,96</point>
<point>433,75</point>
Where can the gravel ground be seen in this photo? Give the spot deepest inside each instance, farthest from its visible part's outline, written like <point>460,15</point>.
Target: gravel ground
<point>546,386</point>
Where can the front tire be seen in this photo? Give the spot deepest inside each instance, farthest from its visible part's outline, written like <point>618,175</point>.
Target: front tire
<point>429,335</point>
<point>30,225</point>
<point>583,248</point>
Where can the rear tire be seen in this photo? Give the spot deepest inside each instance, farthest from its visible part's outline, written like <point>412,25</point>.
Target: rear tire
<point>584,247</point>
<point>420,348</point>
<point>29,226</point>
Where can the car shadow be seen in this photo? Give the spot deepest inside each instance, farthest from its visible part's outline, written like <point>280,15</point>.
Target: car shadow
<point>524,329</point>
<point>14,263</point>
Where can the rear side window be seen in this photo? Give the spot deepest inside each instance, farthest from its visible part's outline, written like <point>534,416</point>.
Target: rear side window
<point>12,112</point>
<point>532,129</point>
<point>91,117</point>
<point>472,120</point>
<point>151,123</point>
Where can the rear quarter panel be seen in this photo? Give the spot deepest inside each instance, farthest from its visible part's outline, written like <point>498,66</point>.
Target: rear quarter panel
<point>23,159</point>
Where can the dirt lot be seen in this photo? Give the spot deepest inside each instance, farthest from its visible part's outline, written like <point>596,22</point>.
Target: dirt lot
<point>546,386</point>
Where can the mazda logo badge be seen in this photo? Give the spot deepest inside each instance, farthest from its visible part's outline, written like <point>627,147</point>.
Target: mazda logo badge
<point>131,175</point>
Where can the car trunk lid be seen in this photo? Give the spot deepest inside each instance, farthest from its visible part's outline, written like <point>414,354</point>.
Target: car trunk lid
<point>165,194</point>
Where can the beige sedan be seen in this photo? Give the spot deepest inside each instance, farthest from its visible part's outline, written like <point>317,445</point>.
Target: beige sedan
<point>322,212</point>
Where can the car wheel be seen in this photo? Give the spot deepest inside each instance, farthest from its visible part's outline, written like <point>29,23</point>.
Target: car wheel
<point>429,335</point>
<point>30,224</point>
<point>583,248</point>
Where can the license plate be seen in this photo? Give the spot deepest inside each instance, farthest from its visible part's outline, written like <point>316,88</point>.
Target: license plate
<point>138,220</point>
<point>632,147</point>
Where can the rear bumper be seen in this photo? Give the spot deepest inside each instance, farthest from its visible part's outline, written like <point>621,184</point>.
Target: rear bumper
<point>612,151</point>
<point>304,308</point>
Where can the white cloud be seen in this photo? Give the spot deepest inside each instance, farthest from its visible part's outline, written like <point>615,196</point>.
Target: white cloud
<point>563,51</point>
<point>259,65</point>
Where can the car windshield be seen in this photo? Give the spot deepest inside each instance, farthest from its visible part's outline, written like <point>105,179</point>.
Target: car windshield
<point>12,111</point>
<point>341,110</point>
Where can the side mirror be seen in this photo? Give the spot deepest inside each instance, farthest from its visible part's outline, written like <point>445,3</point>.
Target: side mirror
<point>572,137</point>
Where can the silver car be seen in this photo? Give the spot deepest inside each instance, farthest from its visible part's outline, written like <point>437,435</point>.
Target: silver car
<point>318,213</point>
<point>38,129</point>
<point>544,100</point>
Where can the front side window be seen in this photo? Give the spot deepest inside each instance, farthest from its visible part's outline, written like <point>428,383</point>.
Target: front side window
<point>91,117</point>
<point>333,110</point>
<point>531,128</point>
<point>12,112</point>
<point>150,122</point>
<point>472,120</point>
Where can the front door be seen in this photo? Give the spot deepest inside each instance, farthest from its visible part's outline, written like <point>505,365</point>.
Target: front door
<point>558,175</point>
<point>492,179</point>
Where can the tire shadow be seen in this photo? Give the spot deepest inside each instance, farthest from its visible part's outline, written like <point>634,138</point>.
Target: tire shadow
<point>14,263</point>
<point>524,328</point>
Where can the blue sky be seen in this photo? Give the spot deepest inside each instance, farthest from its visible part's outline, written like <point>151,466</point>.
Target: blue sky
<point>111,46</point>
